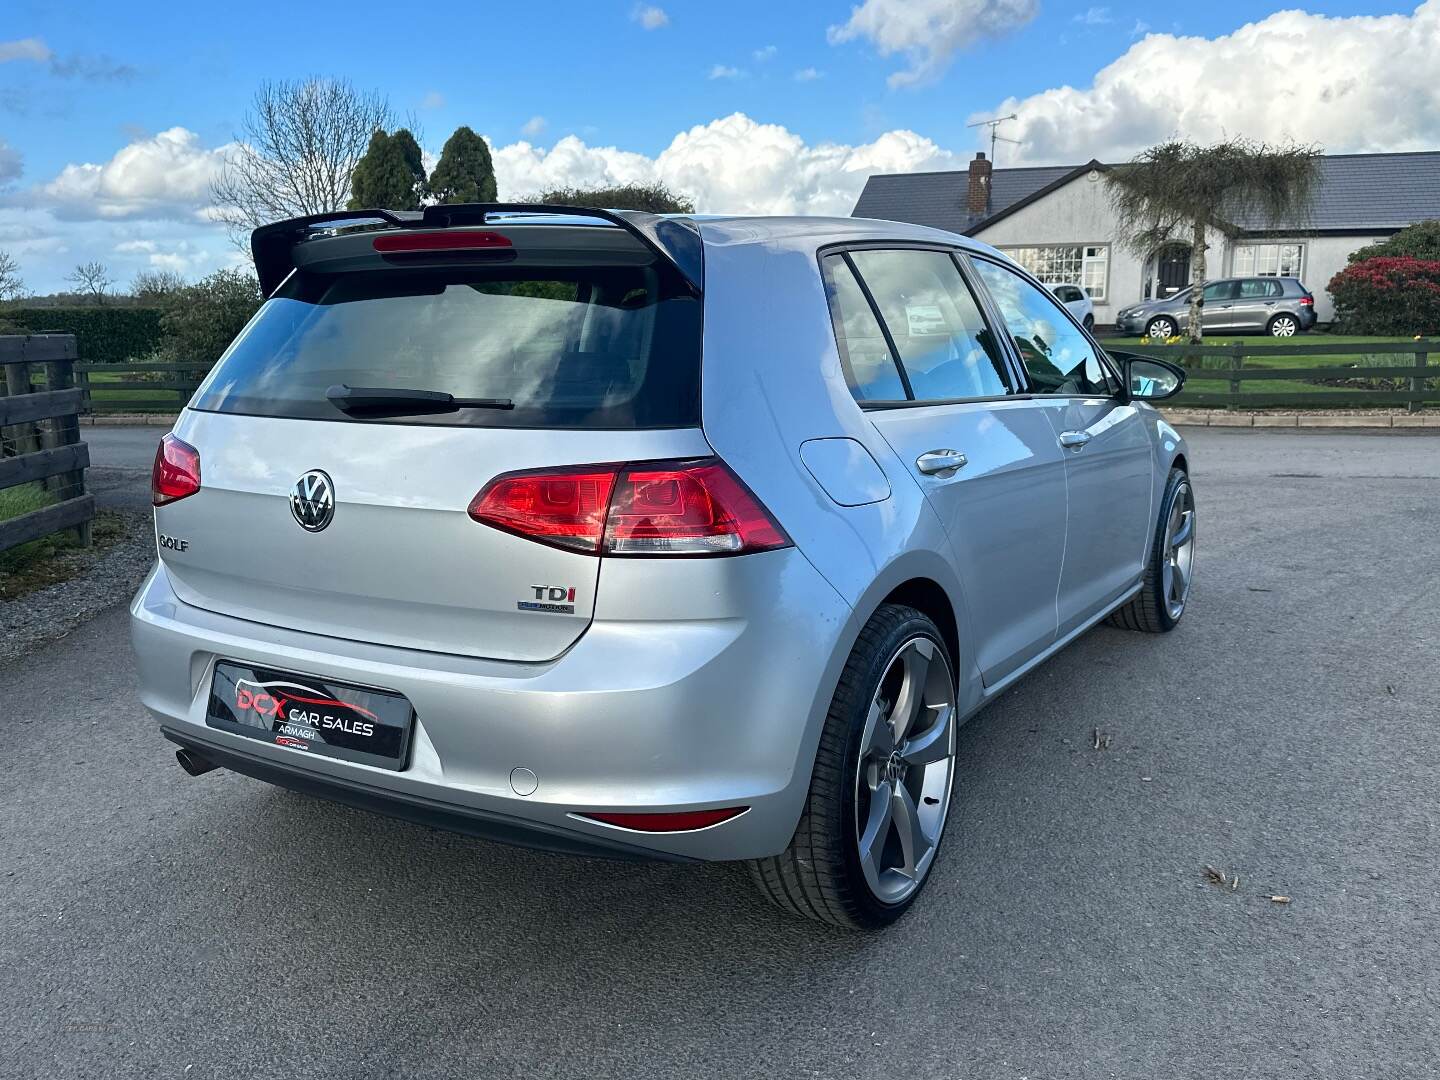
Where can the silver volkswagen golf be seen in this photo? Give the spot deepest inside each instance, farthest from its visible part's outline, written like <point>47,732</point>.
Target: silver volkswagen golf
<point>670,538</point>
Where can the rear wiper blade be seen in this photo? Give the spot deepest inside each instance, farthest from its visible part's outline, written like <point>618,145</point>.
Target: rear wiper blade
<point>390,401</point>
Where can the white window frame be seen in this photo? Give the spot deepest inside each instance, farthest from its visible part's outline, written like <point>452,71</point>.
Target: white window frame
<point>1086,265</point>
<point>1268,259</point>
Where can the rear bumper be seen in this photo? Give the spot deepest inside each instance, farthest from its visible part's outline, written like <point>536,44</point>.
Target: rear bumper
<point>639,715</point>
<point>422,811</point>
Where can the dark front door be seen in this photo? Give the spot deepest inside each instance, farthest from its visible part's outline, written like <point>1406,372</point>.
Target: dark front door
<point>1172,272</point>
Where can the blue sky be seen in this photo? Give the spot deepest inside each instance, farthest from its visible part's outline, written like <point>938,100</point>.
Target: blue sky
<point>83,86</point>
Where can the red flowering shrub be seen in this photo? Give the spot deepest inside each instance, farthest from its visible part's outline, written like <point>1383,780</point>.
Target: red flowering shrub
<point>1388,296</point>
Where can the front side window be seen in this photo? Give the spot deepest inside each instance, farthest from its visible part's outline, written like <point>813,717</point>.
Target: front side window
<point>1219,290</point>
<point>1058,356</point>
<point>869,367</point>
<point>1053,264</point>
<point>945,347</point>
<point>1268,260</point>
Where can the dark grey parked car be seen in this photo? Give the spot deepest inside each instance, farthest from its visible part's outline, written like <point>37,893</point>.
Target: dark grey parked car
<point>1279,306</point>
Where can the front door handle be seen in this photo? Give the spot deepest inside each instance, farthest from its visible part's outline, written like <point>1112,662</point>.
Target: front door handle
<point>1075,439</point>
<point>941,462</point>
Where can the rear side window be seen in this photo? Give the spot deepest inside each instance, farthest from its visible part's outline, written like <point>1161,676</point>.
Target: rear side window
<point>1254,287</point>
<point>869,367</point>
<point>600,347</point>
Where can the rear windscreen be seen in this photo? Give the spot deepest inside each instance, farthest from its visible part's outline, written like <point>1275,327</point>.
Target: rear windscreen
<point>598,347</point>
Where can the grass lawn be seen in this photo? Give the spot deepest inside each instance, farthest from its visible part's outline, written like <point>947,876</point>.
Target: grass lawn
<point>1255,345</point>
<point>41,562</point>
<point>107,399</point>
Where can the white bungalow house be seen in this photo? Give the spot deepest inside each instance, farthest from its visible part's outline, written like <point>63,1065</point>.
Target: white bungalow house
<point>1057,221</point>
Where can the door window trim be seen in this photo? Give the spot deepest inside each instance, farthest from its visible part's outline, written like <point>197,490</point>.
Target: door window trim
<point>1013,373</point>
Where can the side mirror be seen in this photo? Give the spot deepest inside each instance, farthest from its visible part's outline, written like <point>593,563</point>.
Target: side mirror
<point>1148,379</point>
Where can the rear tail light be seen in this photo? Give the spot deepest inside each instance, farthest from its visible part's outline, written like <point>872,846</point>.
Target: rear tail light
<point>563,507</point>
<point>649,508</point>
<point>685,821</point>
<point>1307,301</point>
<point>176,474</point>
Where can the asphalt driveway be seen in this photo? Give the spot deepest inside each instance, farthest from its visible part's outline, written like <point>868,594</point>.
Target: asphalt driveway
<point>156,925</point>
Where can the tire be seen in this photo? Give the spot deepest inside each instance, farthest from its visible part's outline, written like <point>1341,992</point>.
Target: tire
<point>1153,610</point>
<point>1089,323</point>
<point>1162,327</point>
<point>821,874</point>
<point>1283,325</point>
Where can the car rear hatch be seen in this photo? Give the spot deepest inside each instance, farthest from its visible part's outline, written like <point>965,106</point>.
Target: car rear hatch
<point>334,500</point>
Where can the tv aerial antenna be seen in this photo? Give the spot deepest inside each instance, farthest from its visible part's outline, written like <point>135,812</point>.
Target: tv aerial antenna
<point>995,135</point>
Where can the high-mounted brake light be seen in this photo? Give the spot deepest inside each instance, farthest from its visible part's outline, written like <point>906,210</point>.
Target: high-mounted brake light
<point>453,240</point>
<point>649,508</point>
<point>684,821</point>
<point>176,473</point>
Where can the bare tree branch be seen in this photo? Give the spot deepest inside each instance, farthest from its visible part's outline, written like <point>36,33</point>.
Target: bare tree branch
<point>295,153</point>
<point>91,279</point>
<point>12,287</point>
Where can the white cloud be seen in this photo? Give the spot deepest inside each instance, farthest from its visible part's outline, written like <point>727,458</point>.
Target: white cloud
<point>163,176</point>
<point>433,100</point>
<point>722,71</point>
<point>24,49</point>
<point>1140,29</point>
<point>928,32</point>
<point>764,53</point>
<point>1095,16</point>
<point>1359,83</point>
<point>182,256</point>
<point>649,16</point>
<point>733,164</point>
<point>808,74</point>
<point>11,163</point>
<point>532,127</point>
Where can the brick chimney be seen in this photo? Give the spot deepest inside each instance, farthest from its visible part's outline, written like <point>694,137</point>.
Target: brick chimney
<point>977,196</point>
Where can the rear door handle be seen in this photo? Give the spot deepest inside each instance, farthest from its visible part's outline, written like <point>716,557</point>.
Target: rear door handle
<point>941,462</point>
<point>1075,439</point>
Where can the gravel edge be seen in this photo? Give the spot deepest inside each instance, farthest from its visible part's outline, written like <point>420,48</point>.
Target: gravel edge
<point>103,578</point>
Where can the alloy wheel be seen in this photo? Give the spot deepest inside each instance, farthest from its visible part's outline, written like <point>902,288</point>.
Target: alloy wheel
<point>1283,326</point>
<point>1164,329</point>
<point>1179,551</point>
<point>906,770</point>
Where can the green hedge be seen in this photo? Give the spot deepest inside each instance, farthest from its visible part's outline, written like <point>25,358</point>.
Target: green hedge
<point>105,335</point>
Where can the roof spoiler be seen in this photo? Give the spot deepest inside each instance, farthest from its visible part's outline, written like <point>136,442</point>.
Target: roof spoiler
<point>673,240</point>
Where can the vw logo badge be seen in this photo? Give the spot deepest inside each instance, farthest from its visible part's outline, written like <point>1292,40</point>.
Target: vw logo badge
<point>312,501</point>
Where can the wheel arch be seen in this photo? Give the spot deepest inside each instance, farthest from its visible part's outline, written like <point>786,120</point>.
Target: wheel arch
<point>926,596</point>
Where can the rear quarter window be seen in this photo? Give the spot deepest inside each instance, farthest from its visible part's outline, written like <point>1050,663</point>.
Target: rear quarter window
<point>599,347</point>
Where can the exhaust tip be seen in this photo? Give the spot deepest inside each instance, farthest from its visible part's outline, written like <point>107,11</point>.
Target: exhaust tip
<point>193,763</point>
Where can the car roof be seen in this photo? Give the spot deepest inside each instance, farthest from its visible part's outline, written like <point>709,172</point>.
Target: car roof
<point>795,229</point>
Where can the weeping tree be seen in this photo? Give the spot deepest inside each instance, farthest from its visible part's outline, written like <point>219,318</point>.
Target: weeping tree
<point>1178,190</point>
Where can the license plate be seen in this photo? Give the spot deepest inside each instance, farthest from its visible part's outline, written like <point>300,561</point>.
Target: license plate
<point>306,712</point>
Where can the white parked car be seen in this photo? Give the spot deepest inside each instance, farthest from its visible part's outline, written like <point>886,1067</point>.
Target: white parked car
<point>1077,302</point>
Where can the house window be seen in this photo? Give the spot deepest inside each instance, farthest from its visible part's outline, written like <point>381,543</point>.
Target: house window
<point>1067,264</point>
<point>1268,260</point>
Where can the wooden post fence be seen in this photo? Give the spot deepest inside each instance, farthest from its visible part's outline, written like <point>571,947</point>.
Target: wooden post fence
<point>54,457</point>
